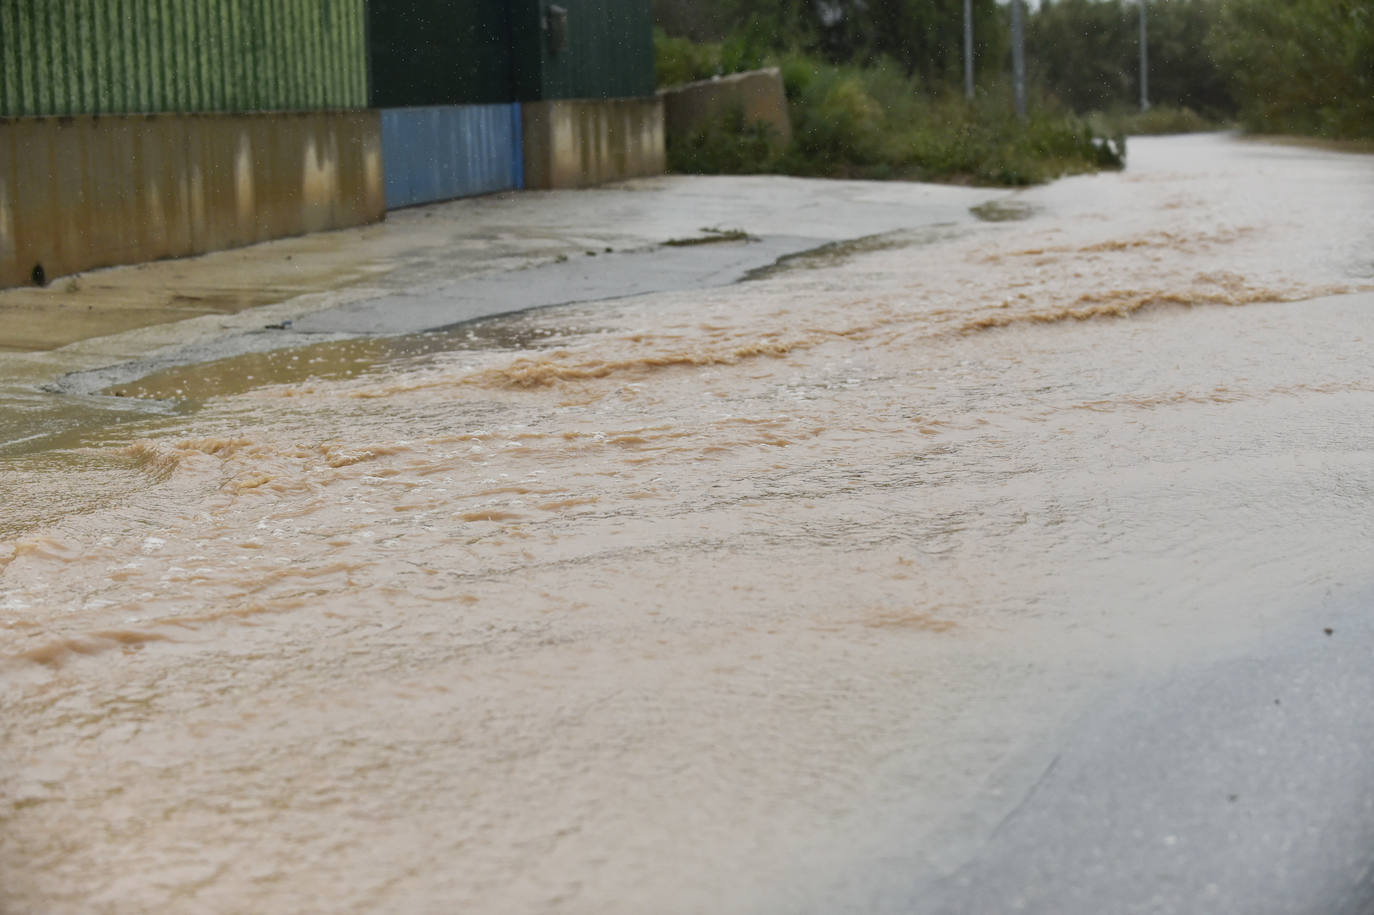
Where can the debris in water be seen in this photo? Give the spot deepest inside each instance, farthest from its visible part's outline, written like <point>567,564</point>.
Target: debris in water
<point>1003,210</point>
<point>712,236</point>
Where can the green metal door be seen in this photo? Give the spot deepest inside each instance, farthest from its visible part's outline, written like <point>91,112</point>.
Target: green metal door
<point>606,51</point>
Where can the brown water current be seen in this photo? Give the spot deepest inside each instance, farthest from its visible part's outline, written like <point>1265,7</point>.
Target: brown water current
<point>684,602</point>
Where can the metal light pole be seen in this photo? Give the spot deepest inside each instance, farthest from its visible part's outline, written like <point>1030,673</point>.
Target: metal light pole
<point>1144,63</point>
<point>968,48</point>
<point>1018,59</point>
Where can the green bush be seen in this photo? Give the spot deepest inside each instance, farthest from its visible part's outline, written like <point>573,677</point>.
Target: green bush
<point>678,60</point>
<point>1160,120</point>
<point>747,48</point>
<point>878,121</point>
<point>727,145</point>
<point>981,144</point>
<point>835,122</point>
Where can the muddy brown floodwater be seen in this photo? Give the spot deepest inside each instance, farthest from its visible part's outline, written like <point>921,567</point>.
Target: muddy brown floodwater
<point>687,602</point>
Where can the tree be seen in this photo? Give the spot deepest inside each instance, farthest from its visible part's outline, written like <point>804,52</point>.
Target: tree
<point>1183,68</point>
<point>923,37</point>
<point>1300,65</point>
<point>1087,54</point>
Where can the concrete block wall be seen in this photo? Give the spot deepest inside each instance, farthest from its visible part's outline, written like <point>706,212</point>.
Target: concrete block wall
<point>572,143</point>
<point>758,94</point>
<point>86,191</point>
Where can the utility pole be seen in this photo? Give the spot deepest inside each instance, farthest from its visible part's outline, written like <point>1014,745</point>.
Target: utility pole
<point>1144,63</point>
<point>968,48</point>
<point>1018,59</point>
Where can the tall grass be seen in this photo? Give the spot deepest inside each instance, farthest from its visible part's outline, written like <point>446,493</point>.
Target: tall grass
<point>1161,119</point>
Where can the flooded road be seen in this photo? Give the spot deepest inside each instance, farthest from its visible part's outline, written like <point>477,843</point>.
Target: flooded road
<point>688,601</point>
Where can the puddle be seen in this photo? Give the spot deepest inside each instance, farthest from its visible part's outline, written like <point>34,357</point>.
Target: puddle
<point>334,359</point>
<point>34,421</point>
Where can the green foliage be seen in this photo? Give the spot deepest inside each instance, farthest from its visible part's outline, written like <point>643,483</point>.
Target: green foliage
<point>836,122</point>
<point>875,122</point>
<point>727,145</point>
<point>981,144</point>
<point>1304,66</point>
<point>924,37</point>
<point>871,83</point>
<point>746,48</point>
<point>1158,120</point>
<point>680,60</point>
<point>1296,66</point>
<point>1084,52</point>
<point>1087,54</point>
<point>1184,73</point>
<point>879,122</point>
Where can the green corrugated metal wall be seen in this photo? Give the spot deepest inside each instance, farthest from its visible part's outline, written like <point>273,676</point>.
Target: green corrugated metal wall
<point>609,51</point>
<point>126,56</point>
<point>439,52</point>
<point>442,52</point>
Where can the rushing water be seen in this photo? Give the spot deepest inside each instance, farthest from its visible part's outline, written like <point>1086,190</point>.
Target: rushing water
<point>675,603</point>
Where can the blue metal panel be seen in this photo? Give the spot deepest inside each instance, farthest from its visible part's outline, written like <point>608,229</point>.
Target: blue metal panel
<point>446,151</point>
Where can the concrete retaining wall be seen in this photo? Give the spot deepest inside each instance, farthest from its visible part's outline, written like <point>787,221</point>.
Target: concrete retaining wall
<point>86,191</point>
<point>758,93</point>
<point>581,142</point>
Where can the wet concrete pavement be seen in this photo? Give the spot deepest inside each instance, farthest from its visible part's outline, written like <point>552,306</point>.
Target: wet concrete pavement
<point>1239,786</point>
<point>586,278</point>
